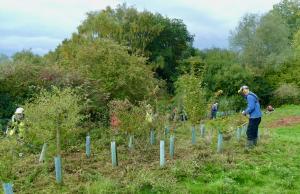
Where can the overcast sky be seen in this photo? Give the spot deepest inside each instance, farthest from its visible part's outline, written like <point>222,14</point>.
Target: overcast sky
<point>40,25</point>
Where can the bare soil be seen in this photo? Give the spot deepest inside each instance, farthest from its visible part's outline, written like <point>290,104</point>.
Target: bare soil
<point>287,121</point>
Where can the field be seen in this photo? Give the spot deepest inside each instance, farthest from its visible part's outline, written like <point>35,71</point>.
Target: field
<point>272,167</point>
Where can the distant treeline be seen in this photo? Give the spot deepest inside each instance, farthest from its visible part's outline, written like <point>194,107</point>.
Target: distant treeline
<point>123,53</point>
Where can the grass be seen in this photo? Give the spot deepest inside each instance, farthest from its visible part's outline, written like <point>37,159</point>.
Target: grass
<point>272,167</point>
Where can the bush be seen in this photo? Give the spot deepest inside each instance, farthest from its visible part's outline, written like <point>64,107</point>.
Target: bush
<point>231,104</point>
<point>189,91</point>
<point>116,71</point>
<point>286,94</point>
<point>8,149</point>
<point>127,117</point>
<point>52,114</point>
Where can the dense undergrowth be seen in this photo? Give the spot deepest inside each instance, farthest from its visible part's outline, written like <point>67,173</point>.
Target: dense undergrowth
<point>272,167</point>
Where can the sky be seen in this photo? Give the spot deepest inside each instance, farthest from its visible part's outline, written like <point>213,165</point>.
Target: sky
<point>41,25</point>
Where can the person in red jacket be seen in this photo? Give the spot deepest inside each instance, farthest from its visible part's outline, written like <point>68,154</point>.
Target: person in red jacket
<point>114,121</point>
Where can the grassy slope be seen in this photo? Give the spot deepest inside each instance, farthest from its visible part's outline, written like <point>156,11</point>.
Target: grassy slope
<point>273,167</point>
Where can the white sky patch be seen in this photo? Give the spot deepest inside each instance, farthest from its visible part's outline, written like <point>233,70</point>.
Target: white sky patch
<point>42,24</point>
<point>38,44</point>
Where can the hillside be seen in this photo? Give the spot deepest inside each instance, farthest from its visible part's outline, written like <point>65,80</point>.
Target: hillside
<point>274,163</point>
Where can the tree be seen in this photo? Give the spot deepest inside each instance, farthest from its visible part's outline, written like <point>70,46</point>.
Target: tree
<point>243,36</point>
<point>26,57</point>
<point>195,62</point>
<point>217,63</point>
<point>289,10</point>
<point>192,95</point>
<point>16,80</point>
<point>162,40</point>
<point>261,41</point>
<point>52,115</point>
<point>296,43</point>
<point>273,34</point>
<point>115,71</point>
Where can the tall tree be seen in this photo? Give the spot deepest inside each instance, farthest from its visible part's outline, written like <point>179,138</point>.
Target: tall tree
<point>262,40</point>
<point>289,10</point>
<point>162,40</point>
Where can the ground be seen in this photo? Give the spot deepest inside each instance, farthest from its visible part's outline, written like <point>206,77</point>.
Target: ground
<point>287,121</point>
<point>272,167</point>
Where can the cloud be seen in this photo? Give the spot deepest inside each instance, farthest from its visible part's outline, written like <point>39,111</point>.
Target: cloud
<point>43,24</point>
<point>210,21</point>
<point>38,44</point>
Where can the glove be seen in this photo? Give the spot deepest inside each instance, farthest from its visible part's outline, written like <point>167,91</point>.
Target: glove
<point>244,113</point>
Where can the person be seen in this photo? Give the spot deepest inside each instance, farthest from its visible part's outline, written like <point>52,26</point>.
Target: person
<point>254,112</point>
<point>149,116</point>
<point>114,121</point>
<point>174,116</point>
<point>174,119</point>
<point>214,110</point>
<point>270,109</point>
<point>183,114</point>
<point>17,124</point>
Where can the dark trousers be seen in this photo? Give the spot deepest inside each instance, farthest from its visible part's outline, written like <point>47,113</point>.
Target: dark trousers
<point>213,115</point>
<point>253,128</point>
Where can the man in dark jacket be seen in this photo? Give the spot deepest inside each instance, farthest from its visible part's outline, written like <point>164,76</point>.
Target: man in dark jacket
<point>253,110</point>
<point>214,110</point>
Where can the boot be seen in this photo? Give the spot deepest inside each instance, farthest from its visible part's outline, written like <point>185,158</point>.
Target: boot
<point>255,142</point>
<point>250,144</point>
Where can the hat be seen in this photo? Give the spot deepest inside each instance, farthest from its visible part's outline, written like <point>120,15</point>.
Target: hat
<point>242,89</point>
<point>19,111</point>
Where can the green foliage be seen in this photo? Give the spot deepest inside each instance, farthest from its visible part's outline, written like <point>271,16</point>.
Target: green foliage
<point>26,57</point>
<point>116,57</point>
<point>287,93</point>
<point>114,70</point>
<point>163,40</point>
<point>289,11</point>
<point>273,34</point>
<point>131,117</point>
<point>243,38</point>
<point>288,73</point>
<point>192,95</point>
<point>264,45</point>
<point>16,79</point>
<point>226,124</point>
<point>257,45</point>
<point>52,112</point>
<point>195,170</point>
<point>186,65</point>
<point>150,181</point>
<point>231,78</point>
<point>222,72</point>
<point>228,104</point>
<point>102,185</point>
<point>8,149</point>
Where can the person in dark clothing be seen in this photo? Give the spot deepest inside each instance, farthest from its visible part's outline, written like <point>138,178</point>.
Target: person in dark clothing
<point>254,112</point>
<point>214,110</point>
